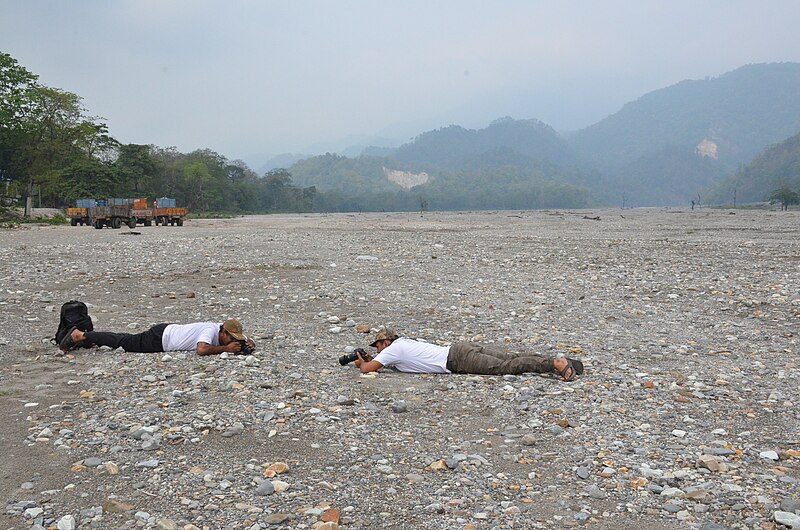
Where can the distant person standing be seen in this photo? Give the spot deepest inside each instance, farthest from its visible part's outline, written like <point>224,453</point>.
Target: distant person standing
<point>155,205</point>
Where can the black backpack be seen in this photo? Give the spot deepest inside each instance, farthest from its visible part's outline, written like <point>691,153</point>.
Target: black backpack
<point>74,314</point>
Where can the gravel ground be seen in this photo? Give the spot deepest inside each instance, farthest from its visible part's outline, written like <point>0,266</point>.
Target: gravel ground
<point>687,416</point>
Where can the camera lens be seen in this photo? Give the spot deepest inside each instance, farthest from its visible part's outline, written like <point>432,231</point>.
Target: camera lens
<point>348,358</point>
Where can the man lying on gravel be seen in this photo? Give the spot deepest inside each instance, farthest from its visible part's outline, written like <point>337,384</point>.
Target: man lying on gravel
<point>409,355</point>
<point>207,338</point>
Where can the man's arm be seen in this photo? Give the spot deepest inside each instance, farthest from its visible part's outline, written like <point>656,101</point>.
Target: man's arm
<point>204,348</point>
<point>367,366</point>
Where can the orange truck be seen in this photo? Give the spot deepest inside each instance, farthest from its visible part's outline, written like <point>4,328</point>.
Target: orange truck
<point>78,216</point>
<point>117,212</point>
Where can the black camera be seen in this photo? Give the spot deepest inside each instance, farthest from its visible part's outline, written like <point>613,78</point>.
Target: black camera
<point>246,348</point>
<point>350,357</point>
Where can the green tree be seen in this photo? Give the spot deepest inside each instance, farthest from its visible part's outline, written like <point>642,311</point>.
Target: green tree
<point>136,169</point>
<point>46,137</point>
<point>42,131</point>
<point>784,196</point>
<point>276,184</point>
<point>16,82</point>
<point>198,183</point>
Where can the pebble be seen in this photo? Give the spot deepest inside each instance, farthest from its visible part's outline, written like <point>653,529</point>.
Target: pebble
<point>790,504</point>
<point>787,519</point>
<point>399,407</point>
<point>66,523</point>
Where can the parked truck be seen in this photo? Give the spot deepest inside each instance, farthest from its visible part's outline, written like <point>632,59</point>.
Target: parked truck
<point>114,216</point>
<point>166,211</point>
<point>79,216</point>
<point>117,212</point>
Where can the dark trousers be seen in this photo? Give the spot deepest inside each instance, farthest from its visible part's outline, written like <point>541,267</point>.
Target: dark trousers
<point>472,358</point>
<point>147,341</point>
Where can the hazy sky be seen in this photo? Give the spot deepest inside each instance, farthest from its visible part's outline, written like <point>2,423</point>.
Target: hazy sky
<point>251,79</point>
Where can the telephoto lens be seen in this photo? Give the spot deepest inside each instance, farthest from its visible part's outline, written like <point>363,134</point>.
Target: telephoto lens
<point>350,357</point>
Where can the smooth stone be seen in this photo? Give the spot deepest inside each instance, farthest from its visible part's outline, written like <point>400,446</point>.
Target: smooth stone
<point>280,486</point>
<point>595,492</point>
<point>66,523</point>
<point>166,524</point>
<point>787,519</point>
<point>277,518</point>
<point>790,504</point>
<point>399,406</point>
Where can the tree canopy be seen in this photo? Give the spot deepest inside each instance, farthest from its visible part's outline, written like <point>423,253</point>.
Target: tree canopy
<point>52,149</point>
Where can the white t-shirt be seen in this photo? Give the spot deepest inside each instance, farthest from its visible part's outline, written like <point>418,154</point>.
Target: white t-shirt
<point>180,337</point>
<point>409,355</point>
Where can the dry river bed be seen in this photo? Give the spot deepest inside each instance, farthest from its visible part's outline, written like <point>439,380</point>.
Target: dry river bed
<point>687,415</point>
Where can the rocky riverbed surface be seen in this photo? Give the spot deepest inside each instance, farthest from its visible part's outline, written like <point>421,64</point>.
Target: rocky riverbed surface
<point>687,415</point>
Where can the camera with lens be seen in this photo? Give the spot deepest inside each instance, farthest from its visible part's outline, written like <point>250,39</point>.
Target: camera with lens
<point>350,357</point>
<point>246,348</point>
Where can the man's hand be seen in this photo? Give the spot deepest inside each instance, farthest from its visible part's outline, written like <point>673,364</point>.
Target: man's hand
<point>362,359</point>
<point>204,348</point>
<point>367,364</point>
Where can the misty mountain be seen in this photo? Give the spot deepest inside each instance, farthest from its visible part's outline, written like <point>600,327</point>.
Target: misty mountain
<point>352,146</point>
<point>671,176</point>
<point>506,143</point>
<point>348,175</point>
<point>737,114</point>
<point>456,148</point>
<point>283,160</point>
<point>666,148</point>
<point>509,164</point>
<point>669,145</point>
<point>776,166</point>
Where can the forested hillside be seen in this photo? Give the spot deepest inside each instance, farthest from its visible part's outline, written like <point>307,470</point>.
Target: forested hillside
<point>504,142</point>
<point>778,167</point>
<point>740,112</point>
<point>670,145</point>
<point>513,164</point>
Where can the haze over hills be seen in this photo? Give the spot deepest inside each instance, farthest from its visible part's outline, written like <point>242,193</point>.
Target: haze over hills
<point>670,145</point>
<point>665,148</point>
<point>776,166</point>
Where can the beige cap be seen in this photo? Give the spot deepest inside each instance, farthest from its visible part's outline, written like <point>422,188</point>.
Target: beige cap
<point>234,328</point>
